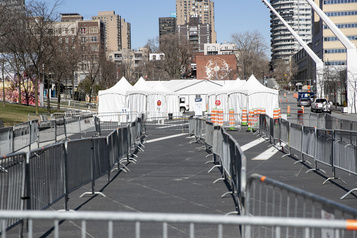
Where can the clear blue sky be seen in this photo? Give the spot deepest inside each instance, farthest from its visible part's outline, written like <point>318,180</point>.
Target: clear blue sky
<point>231,16</point>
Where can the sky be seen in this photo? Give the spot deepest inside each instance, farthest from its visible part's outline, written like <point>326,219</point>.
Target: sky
<point>231,16</point>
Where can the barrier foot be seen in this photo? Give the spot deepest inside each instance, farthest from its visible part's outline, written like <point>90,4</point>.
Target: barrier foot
<point>125,168</point>
<point>351,191</point>
<point>316,169</point>
<point>219,179</point>
<point>90,194</point>
<point>209,162</point>
<point>302,161</point>
<point>334,178</point>
<point>201,148</point>
<point>208,156</point>
<point>232,213</point>
<point>216,166</point>
<point>227,193</point>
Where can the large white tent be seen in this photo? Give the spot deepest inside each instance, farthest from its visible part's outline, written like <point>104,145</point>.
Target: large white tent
<point>253,95</point>
<point>122,97</point>
<point>222,95</point>
<point>160,100</point>
<point>189,89</point>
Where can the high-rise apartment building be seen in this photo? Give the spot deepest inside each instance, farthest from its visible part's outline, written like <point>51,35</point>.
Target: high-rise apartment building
<point>297,13</point>
<point>113,36</point>
<point>125,34</point>
<point>325,44</point>
<point>204,9</point>
<point>167,25</point>
<point>195,33</point>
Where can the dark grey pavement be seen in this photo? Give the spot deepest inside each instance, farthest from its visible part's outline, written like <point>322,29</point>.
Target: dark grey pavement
<point>170,176</point>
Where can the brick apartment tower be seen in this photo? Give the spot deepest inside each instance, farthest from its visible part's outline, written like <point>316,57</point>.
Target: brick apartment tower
<point>116,37</point>
<point>202,8</point>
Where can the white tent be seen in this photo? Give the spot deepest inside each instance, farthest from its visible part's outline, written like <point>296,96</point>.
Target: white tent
<point>254,95</point>
<point>122,97</point>
<point>222,95</point>
<point>171,98</point>
<point>160,100</point>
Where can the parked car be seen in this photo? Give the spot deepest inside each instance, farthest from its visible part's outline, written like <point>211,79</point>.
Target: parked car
<point>321,105</point>
<point>306,102</point>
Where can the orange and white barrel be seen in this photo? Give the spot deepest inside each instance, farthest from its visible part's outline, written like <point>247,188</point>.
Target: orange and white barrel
<point>262,111</point>
<point>250,119</point>
<point>275,113</point>
<point>214,115</point>
<point>244,117</point>
<point>279,112</point>
<point>231,119</point>
<point>220,117</point>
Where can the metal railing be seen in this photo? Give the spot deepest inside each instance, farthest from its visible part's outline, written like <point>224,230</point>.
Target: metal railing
<point>166,225</point>
<point>36,179</point>
<point>266,197</point>
<point>18,137</point>
<point>227,154</point>
<point>332,147</point>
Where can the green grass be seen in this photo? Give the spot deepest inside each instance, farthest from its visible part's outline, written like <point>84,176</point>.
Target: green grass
<point>13,114</point>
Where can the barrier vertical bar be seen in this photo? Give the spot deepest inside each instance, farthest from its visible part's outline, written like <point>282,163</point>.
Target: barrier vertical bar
<point>65,150</point>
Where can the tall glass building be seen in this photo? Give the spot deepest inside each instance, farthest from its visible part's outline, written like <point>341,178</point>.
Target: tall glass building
<point>298,14</point>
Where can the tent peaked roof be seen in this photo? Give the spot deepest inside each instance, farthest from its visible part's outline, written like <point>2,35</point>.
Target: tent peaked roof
<point>142,85</point>
<point>254,86</point>
<point>161,88</point>
<point>124,85</point>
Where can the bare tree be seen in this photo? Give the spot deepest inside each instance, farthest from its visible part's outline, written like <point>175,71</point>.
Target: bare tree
<point>252,58</point>
<point>177,55</point>
<point>108,72</point>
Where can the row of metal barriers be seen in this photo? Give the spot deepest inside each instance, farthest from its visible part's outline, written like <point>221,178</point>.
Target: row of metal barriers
<point>48,128</point>
<point>263,204</point>
<point>335,148</point>
<point>265,198</point>
<point>38,178</point>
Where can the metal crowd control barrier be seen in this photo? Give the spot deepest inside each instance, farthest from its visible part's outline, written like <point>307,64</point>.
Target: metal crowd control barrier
<point>18,137</point>
<point>165,224</point>
<point>275,200</point>
<point>37,179</point>
<point>228,155</point>
<point>331,147</point>
<point>12,187</point>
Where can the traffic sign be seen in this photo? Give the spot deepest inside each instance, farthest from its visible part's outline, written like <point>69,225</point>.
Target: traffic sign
<point>158,102</point>
<point>218,102</point>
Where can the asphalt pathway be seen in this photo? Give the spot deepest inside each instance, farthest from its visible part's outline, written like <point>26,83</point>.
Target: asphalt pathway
<point>171,176</point>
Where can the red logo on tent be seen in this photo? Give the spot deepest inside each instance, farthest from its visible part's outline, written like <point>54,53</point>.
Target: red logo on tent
<point>218,102</point>
<point>158,102</point>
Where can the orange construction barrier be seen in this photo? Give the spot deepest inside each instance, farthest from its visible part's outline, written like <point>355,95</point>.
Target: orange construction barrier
<point>244,117</point>
<point>232,123</point>
<point>220,117</point>
<point>214,116</point>
<point>250,120</point>
<point>288,110</point>
<point>303,109</point>
<point>276,113</point>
